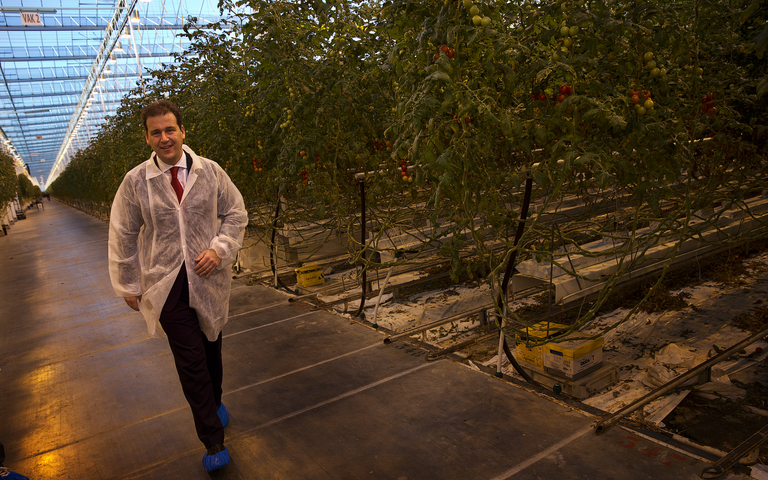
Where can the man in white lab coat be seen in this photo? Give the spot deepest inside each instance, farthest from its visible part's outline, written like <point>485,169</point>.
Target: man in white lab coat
<point>176,225</point>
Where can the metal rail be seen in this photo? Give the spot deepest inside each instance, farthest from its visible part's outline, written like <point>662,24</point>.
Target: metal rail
<point>747,446</point>
<point>373,293</point>
<point>442,321</point>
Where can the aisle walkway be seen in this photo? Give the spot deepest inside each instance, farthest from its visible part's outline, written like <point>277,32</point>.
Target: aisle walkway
<point>85,394</point>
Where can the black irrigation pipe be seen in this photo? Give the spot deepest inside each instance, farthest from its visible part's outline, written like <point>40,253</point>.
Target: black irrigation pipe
<point>518,235</point>
<point>272,259</point>
<point>364,244</point>
<point>508,274</point>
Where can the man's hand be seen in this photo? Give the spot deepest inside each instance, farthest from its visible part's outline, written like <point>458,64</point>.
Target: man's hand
<point>133,302</point>
<point>207,263</point>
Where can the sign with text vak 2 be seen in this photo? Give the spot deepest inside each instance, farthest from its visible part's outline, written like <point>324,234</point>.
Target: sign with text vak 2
<point>31,18</point>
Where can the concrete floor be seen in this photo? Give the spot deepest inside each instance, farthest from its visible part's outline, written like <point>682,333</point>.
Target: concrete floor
<point>86,394</point>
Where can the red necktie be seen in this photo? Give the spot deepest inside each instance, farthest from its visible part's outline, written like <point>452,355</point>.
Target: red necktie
<point>175,183</point>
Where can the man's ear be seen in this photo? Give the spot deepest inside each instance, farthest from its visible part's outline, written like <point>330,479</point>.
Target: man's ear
<point>146,136</point>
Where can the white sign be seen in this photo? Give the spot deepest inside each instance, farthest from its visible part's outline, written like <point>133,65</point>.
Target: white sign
<point>31,18</point>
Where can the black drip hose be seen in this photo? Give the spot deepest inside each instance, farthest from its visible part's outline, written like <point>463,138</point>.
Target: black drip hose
<point>517,366</point>
<point>363,243</point>
<point>508,274</point>
<point>518,235</point>
<point>272,259</point>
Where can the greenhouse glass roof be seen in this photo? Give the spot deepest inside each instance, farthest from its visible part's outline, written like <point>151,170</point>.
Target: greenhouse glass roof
<point>65,65</point>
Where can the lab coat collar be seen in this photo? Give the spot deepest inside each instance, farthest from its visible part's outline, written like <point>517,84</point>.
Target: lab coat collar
<point>193,164</point>
<point>184,162</point>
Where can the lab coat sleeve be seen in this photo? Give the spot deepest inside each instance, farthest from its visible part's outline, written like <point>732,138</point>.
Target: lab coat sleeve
<point>125,223</point>
<point>234,218</point>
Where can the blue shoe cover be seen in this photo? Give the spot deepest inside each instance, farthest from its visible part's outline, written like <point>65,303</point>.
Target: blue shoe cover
<point>223,414</point>
<point>7,474</point>
<point>215,462</point>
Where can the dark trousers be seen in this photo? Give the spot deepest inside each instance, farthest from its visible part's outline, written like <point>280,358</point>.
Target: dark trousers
<point>198,361</point>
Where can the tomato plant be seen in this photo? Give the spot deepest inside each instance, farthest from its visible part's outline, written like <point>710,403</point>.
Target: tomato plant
<point>612,100</point>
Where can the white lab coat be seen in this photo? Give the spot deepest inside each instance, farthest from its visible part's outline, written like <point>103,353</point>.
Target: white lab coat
<point>151,234</point>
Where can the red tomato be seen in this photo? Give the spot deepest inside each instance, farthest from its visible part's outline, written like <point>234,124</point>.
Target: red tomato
<point>561,97</point>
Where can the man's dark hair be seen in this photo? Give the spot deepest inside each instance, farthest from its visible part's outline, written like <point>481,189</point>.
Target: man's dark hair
<point>158,109</point>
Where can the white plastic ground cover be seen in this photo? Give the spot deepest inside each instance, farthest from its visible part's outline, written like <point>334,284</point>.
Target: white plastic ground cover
<point>759,472</point>
<point>649,349</point>
<point>652,349</point>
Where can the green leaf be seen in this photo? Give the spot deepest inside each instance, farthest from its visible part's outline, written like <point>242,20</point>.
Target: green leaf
<point>762,87</point>
<point>445,63</point>
<point>439,77</point>
<point>450,36</point>
<point>506,128</point>
<point>444,160</point>
<point>750,10</point>
<point>491,119</point>
<point>429,155</point>
<point>517,129</point>
<point>604,179</point>
<point>570,156</point>
<point>590,113</point>
<point>447,101</point>
<point>761,43</point>
<point>617,122</point>
<point>653,202</point>
<point>467,107</point>
<point>543,74</point>
<point>526,144</point>
<point>586,159</point>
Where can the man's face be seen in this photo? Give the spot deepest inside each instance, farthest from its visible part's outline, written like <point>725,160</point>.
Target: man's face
<point>165,137</point>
